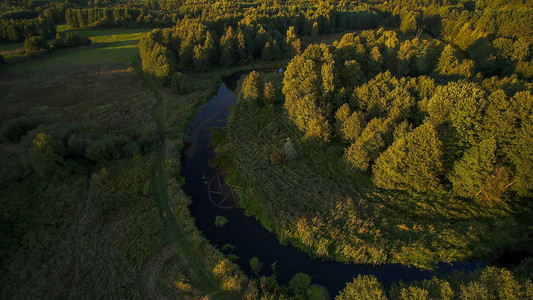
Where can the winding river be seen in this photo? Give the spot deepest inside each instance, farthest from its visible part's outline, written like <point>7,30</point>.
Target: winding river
<point>246,233</point>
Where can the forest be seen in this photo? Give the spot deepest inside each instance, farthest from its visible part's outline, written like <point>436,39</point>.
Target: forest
<point>370,133</point>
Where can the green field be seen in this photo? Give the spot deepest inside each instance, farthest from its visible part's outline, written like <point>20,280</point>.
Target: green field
<point>109,46</point>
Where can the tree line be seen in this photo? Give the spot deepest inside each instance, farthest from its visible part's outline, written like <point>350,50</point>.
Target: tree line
<point>497,37</point>
<point>18,30</point>
<point>192,44</point>
<point>117,16</point>
<point>229,39</point>
<point>487,283</point>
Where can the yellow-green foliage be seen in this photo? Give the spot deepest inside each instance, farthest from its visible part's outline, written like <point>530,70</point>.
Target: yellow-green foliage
<point>349,218</point>
<point>486,283</point>
<point>252,88</point>
<point>363,287</point>
<point>412,162</point>
<point>308,80</point>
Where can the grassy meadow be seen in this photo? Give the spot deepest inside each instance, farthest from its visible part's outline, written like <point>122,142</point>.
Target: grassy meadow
<point>98,220</point>
<point>97,230</point>
<point>118,45</point>
<point>94,226</point>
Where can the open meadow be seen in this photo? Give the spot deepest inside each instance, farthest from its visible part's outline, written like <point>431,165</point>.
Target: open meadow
<point>92,223</point>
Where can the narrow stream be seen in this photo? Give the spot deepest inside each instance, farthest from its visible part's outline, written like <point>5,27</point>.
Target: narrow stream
<point>246,233</point>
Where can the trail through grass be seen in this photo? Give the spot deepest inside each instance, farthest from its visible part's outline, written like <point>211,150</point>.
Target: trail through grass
<point>159,184</point>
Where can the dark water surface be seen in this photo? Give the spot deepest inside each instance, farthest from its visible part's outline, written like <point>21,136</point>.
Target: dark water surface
<point>246,233</point>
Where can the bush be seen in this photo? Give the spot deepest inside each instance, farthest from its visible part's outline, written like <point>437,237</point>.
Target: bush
<point>276,157</point>
<point>221,221</point>
<point>106,148</point>
<point>300,283</point>
<point>255,265</point>
<point>2,61</point>
<point>181,83</point>
<point>269,93</point>
<point>318,292</point>
<point>35,43</point>
<point>363,287</point>
<point>71,39</point>
<point>15,129</point>
<point>46,155</point>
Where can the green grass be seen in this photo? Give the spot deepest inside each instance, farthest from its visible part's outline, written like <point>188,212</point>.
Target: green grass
<point>318,205</point>
<point>120,52</point>
<point>107,227</point>
<point>184,246</point>
<point>11,46</point>
<point>110,46</point>
<point>63,28</point>
<point>114,34</point>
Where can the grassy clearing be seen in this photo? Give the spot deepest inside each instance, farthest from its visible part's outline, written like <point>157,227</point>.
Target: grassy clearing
<point>10,46</point>
<point>317,204</point>
<point>98,36</point>
<point>100,228</point>
<point>119,52</point>
<point>109,46</point>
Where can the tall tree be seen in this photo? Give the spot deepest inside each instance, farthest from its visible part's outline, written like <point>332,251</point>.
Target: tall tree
<point>412,162</point>
<point>306,90</point>
<point>477,174</point>
<point>293,42</point>
<point>229,44</point>
<point>252,87</point>
<point>363,287</point>
<point>409,23</point>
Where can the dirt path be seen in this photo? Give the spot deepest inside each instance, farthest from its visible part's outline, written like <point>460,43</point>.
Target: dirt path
<point>149,273</point>
<point>183,246</point>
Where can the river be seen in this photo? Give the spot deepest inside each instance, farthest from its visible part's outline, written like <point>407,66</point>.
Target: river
<point>246,233</point>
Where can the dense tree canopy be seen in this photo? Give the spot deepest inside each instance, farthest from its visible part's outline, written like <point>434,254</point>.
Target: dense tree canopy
<point>418,134</point>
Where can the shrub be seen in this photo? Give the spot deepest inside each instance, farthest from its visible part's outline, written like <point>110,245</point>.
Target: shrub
<point>276,157</point>
<point>181,83</point>
<point>106,148</point>
<point>318,292</point>
<point>269,93</point>
<point>255,265</point>
<point>300,283</point>
<point>71,39</point>
<point>221,221</point>
<point>35,43</point>
<point>13,130</point>
<point>46,155</point>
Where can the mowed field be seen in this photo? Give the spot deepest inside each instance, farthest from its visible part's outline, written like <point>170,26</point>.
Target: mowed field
<point>109,46</point>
